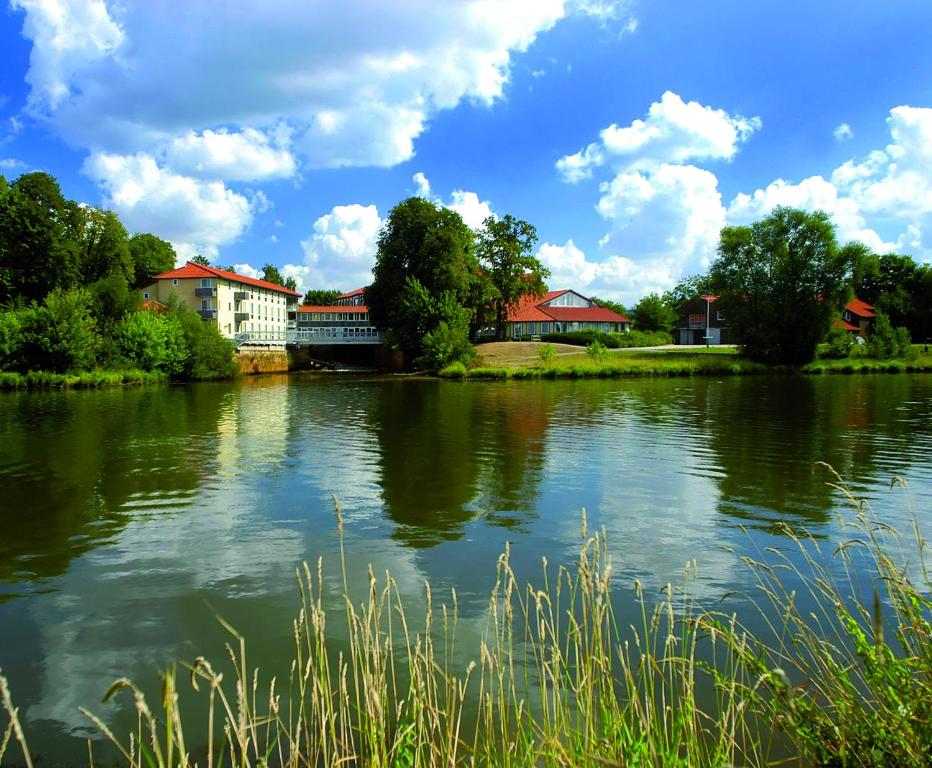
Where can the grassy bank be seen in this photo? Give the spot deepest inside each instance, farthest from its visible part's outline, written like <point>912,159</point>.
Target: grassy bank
<point>84,380</point>
<point>557,680</point>
<point>665,362</point>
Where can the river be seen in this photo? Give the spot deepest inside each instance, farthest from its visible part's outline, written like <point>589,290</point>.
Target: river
<point>130,518</point>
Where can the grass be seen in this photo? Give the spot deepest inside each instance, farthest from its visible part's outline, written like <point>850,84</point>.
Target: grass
<point>83,380</point>
<point>558,681</point>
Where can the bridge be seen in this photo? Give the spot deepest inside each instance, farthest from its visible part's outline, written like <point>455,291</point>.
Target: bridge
<point>306,337</point>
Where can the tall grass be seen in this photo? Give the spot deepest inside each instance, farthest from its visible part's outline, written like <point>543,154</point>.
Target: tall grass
<point>559,680</point>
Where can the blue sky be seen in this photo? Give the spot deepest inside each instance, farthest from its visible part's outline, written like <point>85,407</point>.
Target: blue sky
<point>627,132</point>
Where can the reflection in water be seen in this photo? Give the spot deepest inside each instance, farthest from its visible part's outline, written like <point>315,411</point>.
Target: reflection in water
<point>130,516</point>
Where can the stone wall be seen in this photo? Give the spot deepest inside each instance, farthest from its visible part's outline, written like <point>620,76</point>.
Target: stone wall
<point>252,361</point>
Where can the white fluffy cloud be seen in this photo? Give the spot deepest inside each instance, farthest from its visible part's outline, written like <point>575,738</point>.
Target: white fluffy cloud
<point>247,155</point>
<point>843,132</point>
<point>812,194</point>
<point>674,131</point>
<point>468,205</point>
<point>356,81</point>
<point>341,251</point>
<point>196,216</point>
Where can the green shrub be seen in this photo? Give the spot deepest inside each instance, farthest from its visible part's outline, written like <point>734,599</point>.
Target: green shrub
<point>642,339</point>
<point>11,339</point>
<point>596,351</point>
<point>447,343</point>
<point>885,342</point>
<point>152,342</point>
<point>838,343</point>
<point>546,353</point>
<point>453,371</point>
<point>210,355</point>
<point>59,334</point>
<point>583,338</point>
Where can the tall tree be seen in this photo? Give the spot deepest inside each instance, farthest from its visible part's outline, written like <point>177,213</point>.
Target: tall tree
<point>321,297</point>
<point>151,256</point>
<point>271,274</point>
<point>200,259</point>
<point>37,250</point>
<point>425,260</point>
<point>654,313</point>
<point>615,306</point>
<point>104,245</point>
<point>781,281</point>
<point>503,247</point>
<point>686,290</point>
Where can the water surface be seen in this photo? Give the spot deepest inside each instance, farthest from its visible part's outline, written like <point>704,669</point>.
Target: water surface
<point>129,518</point>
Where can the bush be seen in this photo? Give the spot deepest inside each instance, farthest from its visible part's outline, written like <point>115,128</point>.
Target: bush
<point>11,339</point>
<point>642,339</point>
<point>838,343</point>
<point>583,338</point>
<point>447,343</point>
<point>546,353</point>
<point>885,343</point>
<point>596,351</point>
<point>59,334</point>
<point>210,355</point>
<point>453,371</point>
<point>152,342</point>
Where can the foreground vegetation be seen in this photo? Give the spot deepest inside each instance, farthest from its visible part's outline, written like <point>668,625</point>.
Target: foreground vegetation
<point>842,678</point>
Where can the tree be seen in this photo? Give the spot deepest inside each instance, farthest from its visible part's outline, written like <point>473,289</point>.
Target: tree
<point>152,342</point>
<point>780,282</point>
<point>104,245</point>
<point>686,290</point>
<point>614,306</point>
<point>503,248</point>
<point>151,256</point>
<point>58,335</point>
<point>424,264</point>
<point>321,297</point>
<point>654,313</point>
<point>37,250</point>
<point>199,259</point>
<point>271,274</point>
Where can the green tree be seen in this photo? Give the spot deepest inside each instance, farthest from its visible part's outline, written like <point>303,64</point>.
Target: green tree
<point>614,306</point>
<point>11,339</point>
<point>37,250</point>
<point>199,259</point>
<point>687,289</point>
<point>271,274</point>
<point>885,342</point>
<point>152,342</point>
<point>321,297</point>
<point>504,250</point>
<point>654,313</point>
<point>424,263</point>
<point>104,245</point>
<point>781,281</point>
<point>151,256</point>
<point>210,355</point>
<point>110,299</point>
<point>59,335</point>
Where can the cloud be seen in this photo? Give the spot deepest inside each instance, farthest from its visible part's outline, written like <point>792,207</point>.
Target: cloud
<point>196,216</point>
<point>247,155</point>
<point>812,194</point>
<point>341,251</point>
<point>674,131</point>
<point>422,185</point>
<point>843,132</point>
<point>473,211</point>
<point>248,270</point>
<point>12,164</point>
<point>356,82</point>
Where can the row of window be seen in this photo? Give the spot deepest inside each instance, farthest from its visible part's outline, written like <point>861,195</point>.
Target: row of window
<point>307,316</point>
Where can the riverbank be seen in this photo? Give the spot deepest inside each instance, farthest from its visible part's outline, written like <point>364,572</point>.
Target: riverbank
<point>522,360</point>
<point>10,380</point>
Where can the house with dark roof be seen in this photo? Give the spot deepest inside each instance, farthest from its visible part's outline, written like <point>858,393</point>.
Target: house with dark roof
<point>241,307</point>
<point>701,321</point>
<point>561,312</point>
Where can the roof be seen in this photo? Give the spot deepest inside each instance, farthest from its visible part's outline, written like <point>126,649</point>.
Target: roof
<point>860,308</point>
<point>359,308</point>
<point>191,269</point>
<point>355,292</point>
<point>839,323</point>
<point>155,306</point>
<point>531,309</point>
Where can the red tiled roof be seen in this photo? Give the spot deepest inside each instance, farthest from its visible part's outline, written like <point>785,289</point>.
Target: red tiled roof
<point>333,308</point>
<point>839,323</point>
<point>533,310</point>
<point>860,308</point>
<point>191,269</point>
<point>591,314</point>
<point>352,293</point>
<point>155,306</point>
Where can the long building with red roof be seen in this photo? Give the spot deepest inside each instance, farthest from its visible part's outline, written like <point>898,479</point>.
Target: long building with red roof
<point>561,312</point>
<point>238,305</point>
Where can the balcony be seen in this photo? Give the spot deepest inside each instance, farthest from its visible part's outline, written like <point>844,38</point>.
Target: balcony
<point>240,316</point>
<point>208,314</point>
<point>241,296</point>
<point>205,291</point>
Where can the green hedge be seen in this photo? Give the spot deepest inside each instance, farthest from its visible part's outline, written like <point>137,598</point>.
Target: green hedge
<point>610,340</point>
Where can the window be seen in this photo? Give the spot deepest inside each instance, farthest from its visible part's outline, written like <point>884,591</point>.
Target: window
<point>719,315</point>
<point>205,282</point>
<point>145,295</point>
<point>205,304</point>
<point>174,281</point>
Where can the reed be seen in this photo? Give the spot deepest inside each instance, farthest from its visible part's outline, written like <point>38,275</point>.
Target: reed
<point>558,680</point>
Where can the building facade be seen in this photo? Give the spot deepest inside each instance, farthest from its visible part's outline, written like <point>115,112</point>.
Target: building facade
<point>561,312</point>
<point>241,307</point>
<point>857,317</point>
<point>699,318</point>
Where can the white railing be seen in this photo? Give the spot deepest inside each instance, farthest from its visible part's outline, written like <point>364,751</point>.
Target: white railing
<point>261,338</point>
<point>335,335</point>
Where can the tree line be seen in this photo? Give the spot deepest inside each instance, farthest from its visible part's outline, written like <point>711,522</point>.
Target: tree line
<point>69,280</point>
